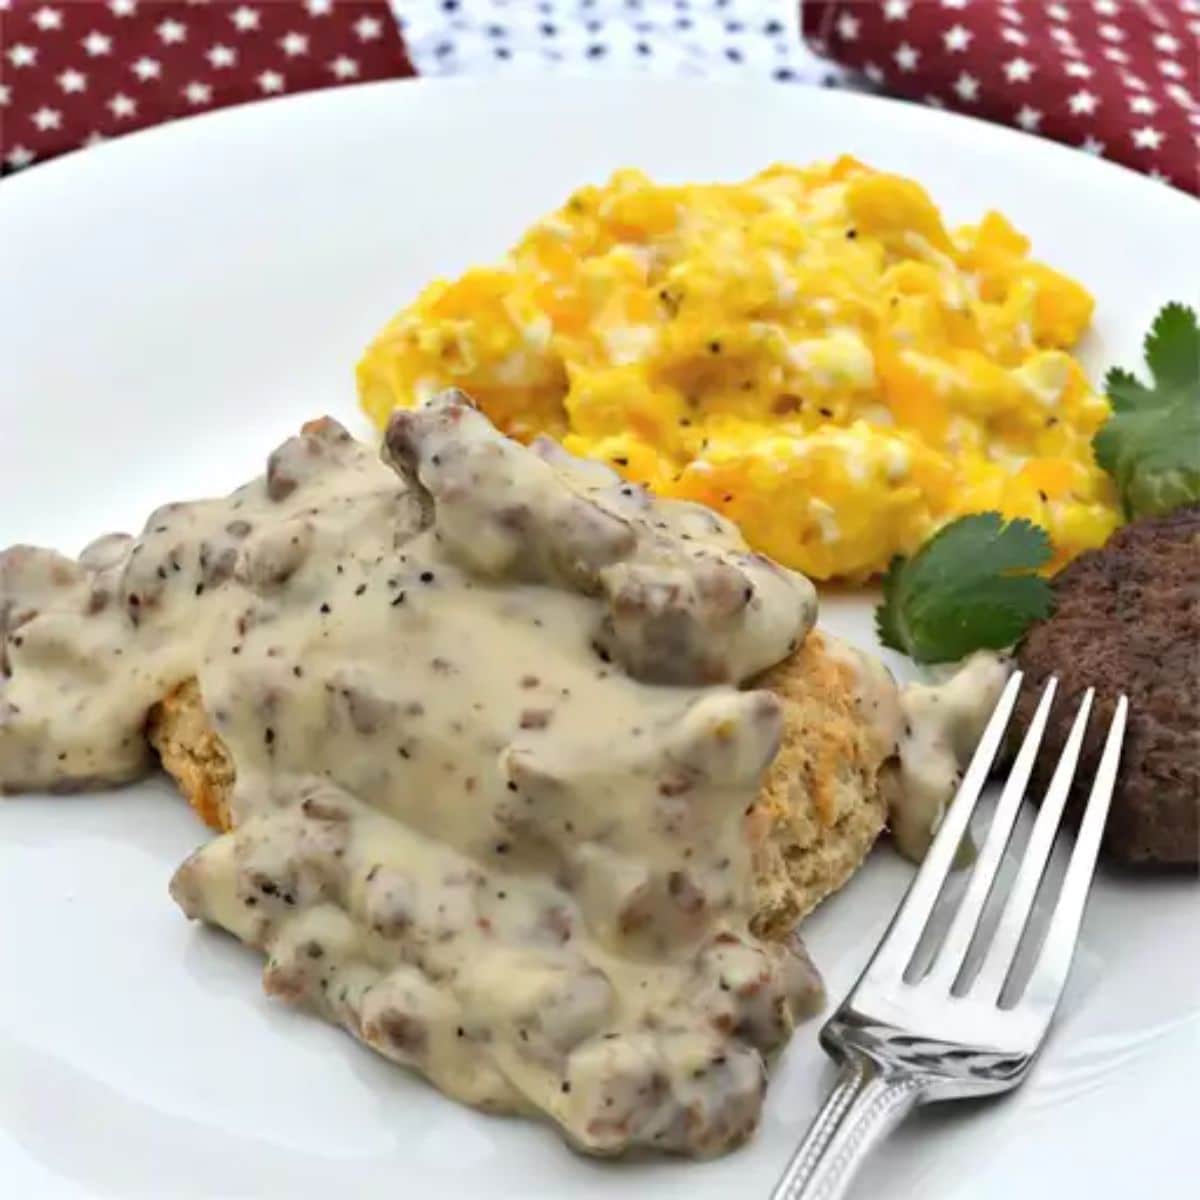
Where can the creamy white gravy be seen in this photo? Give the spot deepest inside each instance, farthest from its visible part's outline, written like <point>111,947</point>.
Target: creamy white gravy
<point>928,730</point>
<point>492,759</point>
<point>941,724</point>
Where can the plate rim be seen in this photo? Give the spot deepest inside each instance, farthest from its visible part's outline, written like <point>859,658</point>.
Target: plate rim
<point>1072,160</point>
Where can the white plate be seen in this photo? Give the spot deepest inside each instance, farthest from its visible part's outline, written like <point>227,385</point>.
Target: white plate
<point>174,304</point>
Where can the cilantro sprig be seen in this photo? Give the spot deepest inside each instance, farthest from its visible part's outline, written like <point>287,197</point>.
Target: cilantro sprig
<point>970,587</point>
<point>1151,443</point>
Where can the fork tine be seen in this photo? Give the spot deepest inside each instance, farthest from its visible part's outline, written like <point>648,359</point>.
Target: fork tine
<point>949,960</point>
<point>999,960</point>
<point>1054,960</point>
<point>905,930</point>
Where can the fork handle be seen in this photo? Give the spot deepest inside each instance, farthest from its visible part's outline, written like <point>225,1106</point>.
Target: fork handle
<point>866,1104</point>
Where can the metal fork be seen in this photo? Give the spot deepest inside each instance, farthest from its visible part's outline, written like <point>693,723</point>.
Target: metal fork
<point>946,1035</point>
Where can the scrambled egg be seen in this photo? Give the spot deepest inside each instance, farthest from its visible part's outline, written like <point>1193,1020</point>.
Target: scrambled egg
<point>810,352</point>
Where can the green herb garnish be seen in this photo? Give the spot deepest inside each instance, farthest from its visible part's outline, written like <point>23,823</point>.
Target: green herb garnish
<point>1151,443</point>
<point>970,587</point>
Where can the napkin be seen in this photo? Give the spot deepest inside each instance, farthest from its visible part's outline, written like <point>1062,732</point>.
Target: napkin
<point>1119,80</point>
<point>75,72</point>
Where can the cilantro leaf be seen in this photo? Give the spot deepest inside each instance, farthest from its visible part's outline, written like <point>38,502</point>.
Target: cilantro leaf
<point>1154,456</point>
<point>970,587</point>
<point>1126,391</point>
<point>1151,443</point>
<point>1173,348</point>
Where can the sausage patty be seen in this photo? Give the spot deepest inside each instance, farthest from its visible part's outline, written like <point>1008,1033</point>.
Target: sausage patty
<point>1127,620</point>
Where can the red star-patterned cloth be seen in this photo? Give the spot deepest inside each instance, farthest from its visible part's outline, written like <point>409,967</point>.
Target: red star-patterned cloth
<point>73,72</point>
<point>1118,79</point>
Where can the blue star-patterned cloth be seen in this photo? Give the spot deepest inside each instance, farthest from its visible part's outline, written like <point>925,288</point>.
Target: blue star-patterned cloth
<point>750,39</point>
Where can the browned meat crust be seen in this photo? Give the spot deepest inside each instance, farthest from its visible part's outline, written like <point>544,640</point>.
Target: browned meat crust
<point>819,811</point>
<point>1128,620</point>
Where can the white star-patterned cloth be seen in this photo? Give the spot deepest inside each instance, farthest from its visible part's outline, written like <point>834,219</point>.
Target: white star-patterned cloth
<point>75,72</point>
<point>1112,77</point>
<point>1121,80</point>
